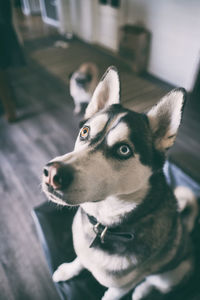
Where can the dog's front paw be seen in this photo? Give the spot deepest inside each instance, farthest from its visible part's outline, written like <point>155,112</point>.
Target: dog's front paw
<point>64,272</point>
<point>67,270</point>
<point>114,294</point>
<point>107,296</point>
<point>138,294</point>
<point>141,291</point>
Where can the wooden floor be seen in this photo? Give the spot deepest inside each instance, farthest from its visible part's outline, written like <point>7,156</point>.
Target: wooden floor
<point>46,127</point>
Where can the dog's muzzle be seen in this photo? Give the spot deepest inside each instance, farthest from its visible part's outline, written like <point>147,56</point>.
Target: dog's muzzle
<point>58,176</point>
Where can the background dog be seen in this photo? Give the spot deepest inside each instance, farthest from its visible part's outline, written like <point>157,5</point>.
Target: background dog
<point>82,84</point>
<point>129,230</point>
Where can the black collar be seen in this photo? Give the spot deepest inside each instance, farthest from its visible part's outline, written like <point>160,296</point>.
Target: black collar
<point>105,234</point>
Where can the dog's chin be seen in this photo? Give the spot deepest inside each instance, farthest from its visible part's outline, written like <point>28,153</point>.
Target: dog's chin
<point>55,199</point>
<point>58,197</point>
<point>59,200</point>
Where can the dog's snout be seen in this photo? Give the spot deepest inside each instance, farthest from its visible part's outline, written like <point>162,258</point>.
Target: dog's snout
<point>58,175</point>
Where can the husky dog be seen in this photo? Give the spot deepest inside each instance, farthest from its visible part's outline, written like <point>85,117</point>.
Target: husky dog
<point>82,84</point>
<point>128,230</point>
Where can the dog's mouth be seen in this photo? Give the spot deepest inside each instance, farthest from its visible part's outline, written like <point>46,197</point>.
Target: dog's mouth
<point>55,193</point>
<point>57,196</point>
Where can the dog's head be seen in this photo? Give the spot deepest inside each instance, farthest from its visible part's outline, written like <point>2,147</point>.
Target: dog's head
<point>85,76</point>
<point>117,150</point>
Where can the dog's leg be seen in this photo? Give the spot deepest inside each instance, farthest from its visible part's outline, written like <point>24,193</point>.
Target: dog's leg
<point>163,282</point>
<point>77,108</point>
<point>142,290</point>
<point>187,200</point>
<point>116,293</point>
<point>67,270</point>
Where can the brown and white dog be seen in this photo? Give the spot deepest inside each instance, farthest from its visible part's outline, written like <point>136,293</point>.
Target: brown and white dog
<point>82,84</point>
<point>129,230</point>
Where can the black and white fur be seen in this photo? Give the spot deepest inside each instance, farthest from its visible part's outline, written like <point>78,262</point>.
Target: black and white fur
<point>115,174</point>
<point>82,84</point>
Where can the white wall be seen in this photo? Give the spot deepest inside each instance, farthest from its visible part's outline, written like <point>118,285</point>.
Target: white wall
<point>95,23</point>
<point>63,9</point>
<point>82,18</point>
<point>107,27</point>
<point>175,28</point>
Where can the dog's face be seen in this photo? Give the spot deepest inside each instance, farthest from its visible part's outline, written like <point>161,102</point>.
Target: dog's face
<point>116,151</point>
<point>85,78</point>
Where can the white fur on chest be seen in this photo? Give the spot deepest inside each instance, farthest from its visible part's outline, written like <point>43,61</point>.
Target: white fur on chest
<point>112,209</point>
<point>98,262</point>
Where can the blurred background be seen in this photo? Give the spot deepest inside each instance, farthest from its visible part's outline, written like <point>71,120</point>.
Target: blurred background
<point>156,47</point>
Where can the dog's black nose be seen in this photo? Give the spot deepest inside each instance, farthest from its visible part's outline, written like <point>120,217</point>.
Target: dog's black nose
<point>58,175</point>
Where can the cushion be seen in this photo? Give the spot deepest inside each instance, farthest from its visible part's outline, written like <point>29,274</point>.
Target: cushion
<point>54,230</point>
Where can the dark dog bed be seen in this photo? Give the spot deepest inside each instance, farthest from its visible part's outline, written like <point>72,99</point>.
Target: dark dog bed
<point>54,230</point>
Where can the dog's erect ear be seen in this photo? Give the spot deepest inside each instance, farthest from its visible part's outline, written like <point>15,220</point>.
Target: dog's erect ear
<point>106,93</point>
<point>165,118</point>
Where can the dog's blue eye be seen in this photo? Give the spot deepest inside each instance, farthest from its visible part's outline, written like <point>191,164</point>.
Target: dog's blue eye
<point>124,150</point>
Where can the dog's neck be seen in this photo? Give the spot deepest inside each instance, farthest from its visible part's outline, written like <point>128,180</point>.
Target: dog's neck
<point>111,210</point>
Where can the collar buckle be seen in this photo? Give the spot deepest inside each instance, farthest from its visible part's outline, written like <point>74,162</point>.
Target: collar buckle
<point>103,234</point>
<point>99,231</point>
<point>95,228</point>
